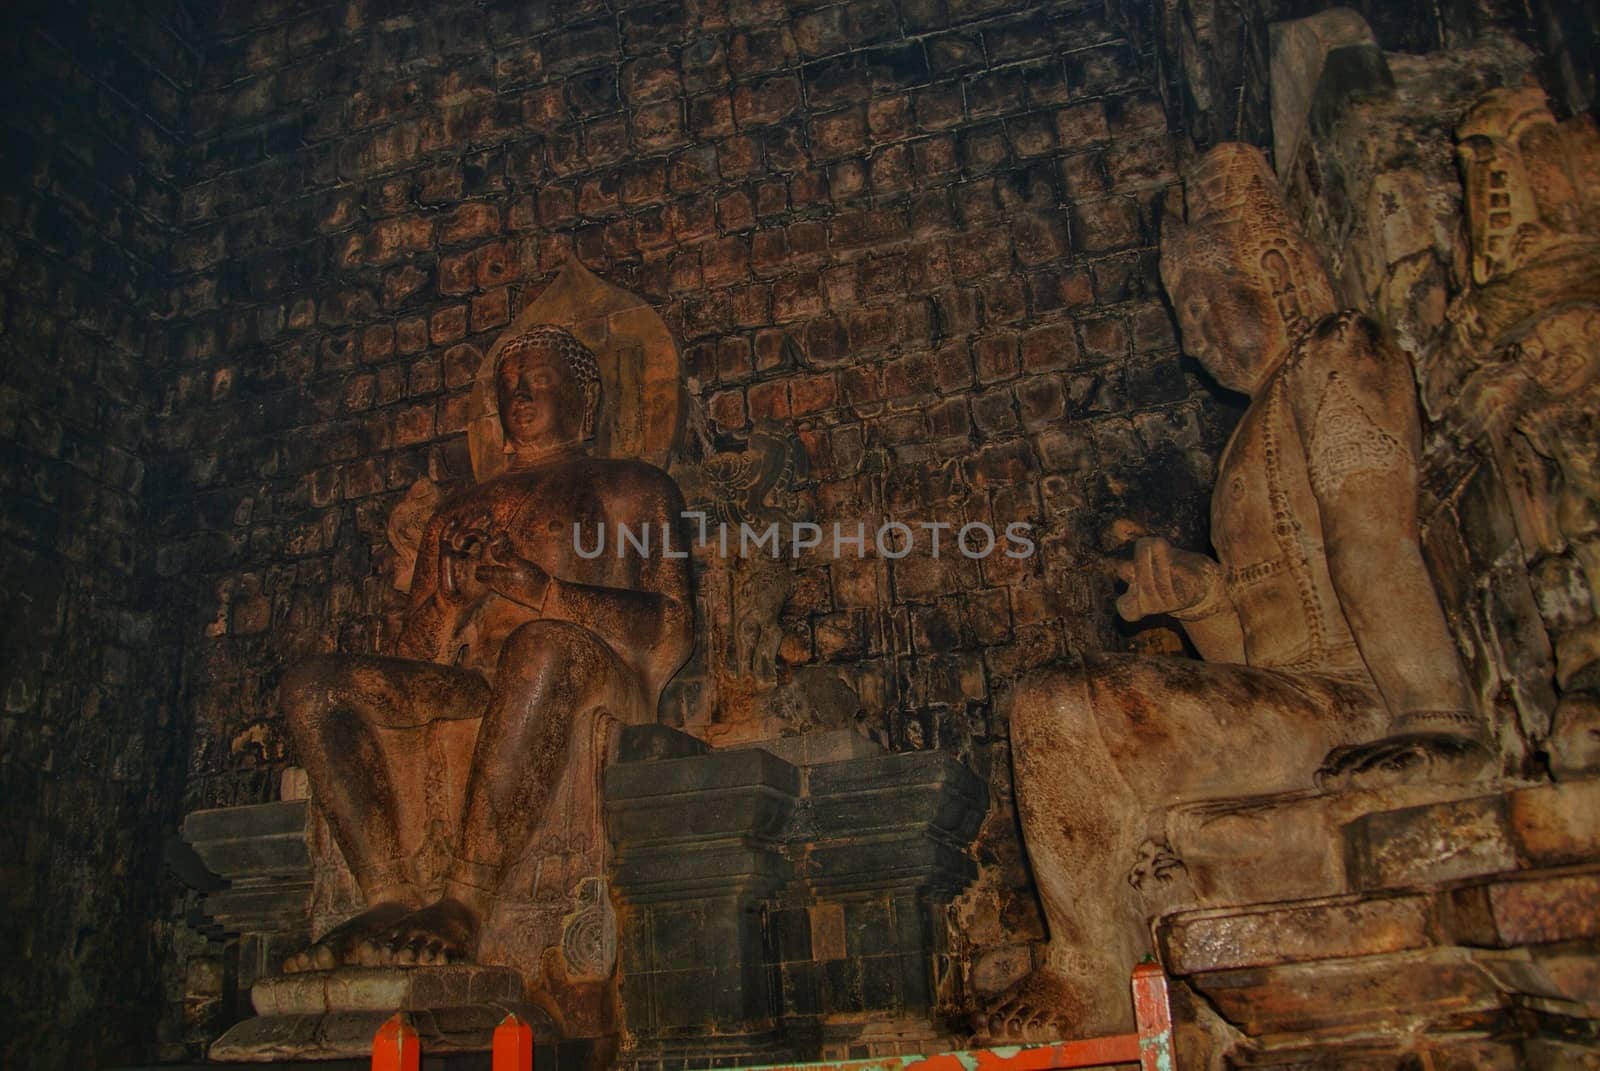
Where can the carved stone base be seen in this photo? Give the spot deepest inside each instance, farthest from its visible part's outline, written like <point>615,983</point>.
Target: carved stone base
<point>320,1015</point>
<point>1280,847</point>
<point>775,912</point>
<point>1460,931</point>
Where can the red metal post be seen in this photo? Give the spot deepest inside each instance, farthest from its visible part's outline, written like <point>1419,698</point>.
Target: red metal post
<point>396,1047</point>
<point>1152,1011</point>
<point>513,1045</point>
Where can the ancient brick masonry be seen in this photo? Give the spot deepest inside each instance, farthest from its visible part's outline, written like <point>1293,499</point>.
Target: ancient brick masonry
<point>947,209</point>
<point>91,735</point>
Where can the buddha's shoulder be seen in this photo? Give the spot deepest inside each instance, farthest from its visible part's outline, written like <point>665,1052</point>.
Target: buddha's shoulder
<point>611,477</point>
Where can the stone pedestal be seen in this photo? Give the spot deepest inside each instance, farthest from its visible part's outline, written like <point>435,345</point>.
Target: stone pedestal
<point>1461,932</point>
<point>699,851</point>
<point>781,911</point>
<point>329,1014</point>
<point>261,857</point>
<point>778,904</point>
<point>262,893</point>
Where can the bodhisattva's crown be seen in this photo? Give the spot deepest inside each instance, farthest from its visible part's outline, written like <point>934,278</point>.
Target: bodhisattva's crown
<point>1233,184</point>
<point>1236,214</point>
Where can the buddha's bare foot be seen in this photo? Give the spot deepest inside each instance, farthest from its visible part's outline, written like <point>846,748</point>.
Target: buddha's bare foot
<point>1407,759</point>
<point>350,942</point>
<point>445,931</point>
<point>1044,1006</point>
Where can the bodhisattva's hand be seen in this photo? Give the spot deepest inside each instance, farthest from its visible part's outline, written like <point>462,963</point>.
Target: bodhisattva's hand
<point>509,574</point>
<point>1165,580</point>
<point>462,543</point>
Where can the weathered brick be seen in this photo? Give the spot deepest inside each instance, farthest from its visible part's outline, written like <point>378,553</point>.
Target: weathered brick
<point>469,222</point>
<point>840,133</point>
<point>448,324</point>
<point>797,297</point>
<point>769,401</point>
<point>725,260</point>
<point>411,334</point>
<point>1104,226</point>
<point>1105,338</point>
<point>726,409</point>
<point>457,274</point>
<point>813,394</point>
<point>767,101</point>
<point>492,309</point>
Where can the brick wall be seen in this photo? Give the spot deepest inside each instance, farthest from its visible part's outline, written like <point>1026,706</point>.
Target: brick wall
<point>91,735</point>
<point>948,206</point>
<point>950,210</point>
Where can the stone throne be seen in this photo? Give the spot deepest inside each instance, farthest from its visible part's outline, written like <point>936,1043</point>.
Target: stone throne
<point>548,945</point>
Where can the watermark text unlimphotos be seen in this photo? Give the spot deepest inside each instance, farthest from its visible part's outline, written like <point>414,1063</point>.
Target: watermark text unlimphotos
<point>893,539</point>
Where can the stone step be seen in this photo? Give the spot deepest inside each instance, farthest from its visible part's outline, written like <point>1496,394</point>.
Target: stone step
<point>1514,956</point>
<point>1459,931</point>
<point>1530,828</point>
<point>1306,845</point>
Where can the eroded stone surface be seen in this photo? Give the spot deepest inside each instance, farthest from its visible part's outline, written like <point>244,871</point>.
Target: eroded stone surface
<point>1286,847</point>
<point>1335,929</point>
<point>1537,909</point>
<point>326,1036</point>
<point>388,989</point>
<point>1444,990</point>
<point>1326,654</point>
<point>518,658</point>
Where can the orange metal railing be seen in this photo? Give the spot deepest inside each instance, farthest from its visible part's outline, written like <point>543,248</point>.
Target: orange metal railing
<point>396,1046</point>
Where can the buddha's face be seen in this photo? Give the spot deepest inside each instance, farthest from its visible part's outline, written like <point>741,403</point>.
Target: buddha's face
<point>542,404</point>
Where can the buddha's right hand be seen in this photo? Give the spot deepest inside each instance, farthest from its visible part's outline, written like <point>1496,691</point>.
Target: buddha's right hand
<point>461,550</point>
<point>1165,580</point>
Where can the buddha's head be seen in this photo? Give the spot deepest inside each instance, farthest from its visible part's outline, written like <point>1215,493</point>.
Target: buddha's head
<point>547,384</point>
<point>1244,282</point>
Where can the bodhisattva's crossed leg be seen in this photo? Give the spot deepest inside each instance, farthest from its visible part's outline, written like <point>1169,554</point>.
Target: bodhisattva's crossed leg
<point>550,673</point>
<point>1099,747</point>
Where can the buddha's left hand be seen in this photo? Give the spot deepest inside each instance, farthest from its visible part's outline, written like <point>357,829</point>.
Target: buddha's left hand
<point>509,574</point>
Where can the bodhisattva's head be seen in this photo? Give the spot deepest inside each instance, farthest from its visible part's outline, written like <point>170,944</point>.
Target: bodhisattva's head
<point>1244,282</point>
<point>547,384</point>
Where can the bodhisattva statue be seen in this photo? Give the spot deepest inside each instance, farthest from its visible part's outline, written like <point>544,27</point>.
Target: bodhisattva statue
<point>507,626</point>
<point>1326,656</point>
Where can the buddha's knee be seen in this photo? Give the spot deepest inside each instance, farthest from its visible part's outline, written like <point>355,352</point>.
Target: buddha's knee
<point>553,651</point>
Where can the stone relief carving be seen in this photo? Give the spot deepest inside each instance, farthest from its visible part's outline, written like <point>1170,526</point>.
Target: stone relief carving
<point>1519,368</point>
<point>1325,655</point>
<point>755,486</point>
<point>589,934</point>
<point>754,482</point>
<point>459,774</point>
<point>406,525</point>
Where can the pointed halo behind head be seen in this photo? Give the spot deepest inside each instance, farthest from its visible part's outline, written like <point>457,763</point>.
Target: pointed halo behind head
<point>639,368</point>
